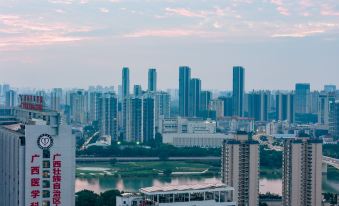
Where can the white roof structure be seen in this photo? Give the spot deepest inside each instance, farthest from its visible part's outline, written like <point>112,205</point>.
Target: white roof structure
<point>168,189</point>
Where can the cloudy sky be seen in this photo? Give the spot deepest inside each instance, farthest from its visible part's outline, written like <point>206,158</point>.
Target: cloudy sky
<point>76,43</point>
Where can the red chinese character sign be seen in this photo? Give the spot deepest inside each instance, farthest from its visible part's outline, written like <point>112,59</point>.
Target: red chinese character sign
<point>31,102</point>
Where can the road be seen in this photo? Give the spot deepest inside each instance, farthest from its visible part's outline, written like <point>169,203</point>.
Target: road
<point>130,159</point>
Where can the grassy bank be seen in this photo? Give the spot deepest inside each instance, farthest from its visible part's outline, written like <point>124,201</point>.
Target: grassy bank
<point>141,169</point>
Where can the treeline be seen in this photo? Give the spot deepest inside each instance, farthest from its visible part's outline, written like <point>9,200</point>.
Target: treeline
<point>89,198</point>
<point>331,150</point>
<point>163,151</point>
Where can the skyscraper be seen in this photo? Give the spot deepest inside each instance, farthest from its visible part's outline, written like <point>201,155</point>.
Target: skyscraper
<point>258,105</point>
<point>336,119</point>
<point>323,108</point>
<point>184,89</point>
<point>11,98</point>
<point>79,105</point>
<point>148,126</point>
<point>302,98</point>
<point>205,98</point>
<point>133,123</point>
<point>125,82</point>
<point>56,99</point>
<point>194,97</point>
<point>238,91</point>
<point>240,168</point>
<point>217,105</point>
<point>285,107</point>
<point>137,90</point>
<point>162,104</point>
<point>330,88</point>
<point>108,119</point>
<point>152,80</point>
<point>302,164</point>
<point>228,106</point>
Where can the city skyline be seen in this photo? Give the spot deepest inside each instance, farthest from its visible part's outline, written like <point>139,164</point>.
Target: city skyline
<point>279,43</point>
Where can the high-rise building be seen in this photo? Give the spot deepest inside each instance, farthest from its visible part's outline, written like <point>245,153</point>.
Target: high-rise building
<point>125,82</point>
<point>240,168</point>
<point>205,98</point>
<point>285,107</point>
<point>302,98</point>
<point>330,88</point>
<point>56,99</point>
<point>162,107</point>
<point>335,121</point>
<point>302,172</point>
<point>152,80</point>
<point>108,119</point>
<point>184,89</point>
<point>324,108</point>
<point>133,123</point>
<point>194,97</point>
<point>228,106</point>
<point>217,105</point>
<point>137,90</point>
<point>11,98</point>
<point>148,124</point>
<point>37,156</point>
<point>238,90</point>
<point>258,105</point>
<point>314,102</point>
<point>79,107</point>
<point>94,102</point>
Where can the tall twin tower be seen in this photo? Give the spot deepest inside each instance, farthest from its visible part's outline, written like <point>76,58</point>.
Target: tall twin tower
<point>190,91</point>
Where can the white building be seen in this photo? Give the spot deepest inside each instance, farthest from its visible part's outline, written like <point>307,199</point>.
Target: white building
<point>191,126</point>
<point>234,124</point>
<point>37,157</point>
<point>209,194</point>
<point>214,140</point>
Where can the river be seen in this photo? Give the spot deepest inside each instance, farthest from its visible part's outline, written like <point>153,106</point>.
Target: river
<point>133,184</point>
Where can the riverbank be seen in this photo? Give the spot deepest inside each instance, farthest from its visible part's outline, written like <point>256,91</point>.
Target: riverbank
<point>145,169</point>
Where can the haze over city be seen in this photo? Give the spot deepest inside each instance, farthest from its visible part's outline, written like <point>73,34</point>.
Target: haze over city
<point>66,43</point>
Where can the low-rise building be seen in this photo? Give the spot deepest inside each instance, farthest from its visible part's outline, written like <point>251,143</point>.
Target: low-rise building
<point>209,194</point>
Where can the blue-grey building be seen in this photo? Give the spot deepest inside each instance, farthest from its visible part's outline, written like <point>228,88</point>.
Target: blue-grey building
<point>152,80</point>
<point>238,90</point>
<point>184,89</point>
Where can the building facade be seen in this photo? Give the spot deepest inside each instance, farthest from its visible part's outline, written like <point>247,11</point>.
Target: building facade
<point>302,172</point>
<point>152,80</point>
<point>37,157</point>
<point>184,89</point>
<point>238,91</point>
<point>240,168</point>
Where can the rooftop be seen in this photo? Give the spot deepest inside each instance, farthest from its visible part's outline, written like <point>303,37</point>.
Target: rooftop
<point>185,188</point>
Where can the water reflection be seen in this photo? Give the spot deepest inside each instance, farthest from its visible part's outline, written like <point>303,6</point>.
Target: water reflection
<point>132,184</point>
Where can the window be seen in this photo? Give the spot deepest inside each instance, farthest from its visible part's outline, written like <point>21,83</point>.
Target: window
<point>45,174</point>
<point>46,194</point>
<point>46,203</point>
<point>46,184</point>
<point>46,154</point>
<point>46,164</point>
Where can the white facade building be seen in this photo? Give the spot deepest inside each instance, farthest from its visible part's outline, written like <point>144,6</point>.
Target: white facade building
<point>214,140</point>
<point>212,194</point>
<point>37,157</point>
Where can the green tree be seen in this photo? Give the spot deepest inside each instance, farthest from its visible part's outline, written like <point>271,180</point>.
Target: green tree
<point>87,198</point>
<point>108,198</point>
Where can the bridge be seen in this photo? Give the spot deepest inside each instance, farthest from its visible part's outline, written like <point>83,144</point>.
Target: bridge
<point>331,161</point>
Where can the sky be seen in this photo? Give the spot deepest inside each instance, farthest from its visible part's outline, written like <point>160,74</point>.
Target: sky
<point>77,43</point>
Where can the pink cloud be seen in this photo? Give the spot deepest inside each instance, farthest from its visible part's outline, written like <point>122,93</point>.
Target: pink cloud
<point>304,30</point>
<point>20,31</point>
<point>327,10</point>
<point>169,33</point>
<point>185,12</point>
<point>281,8</point>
